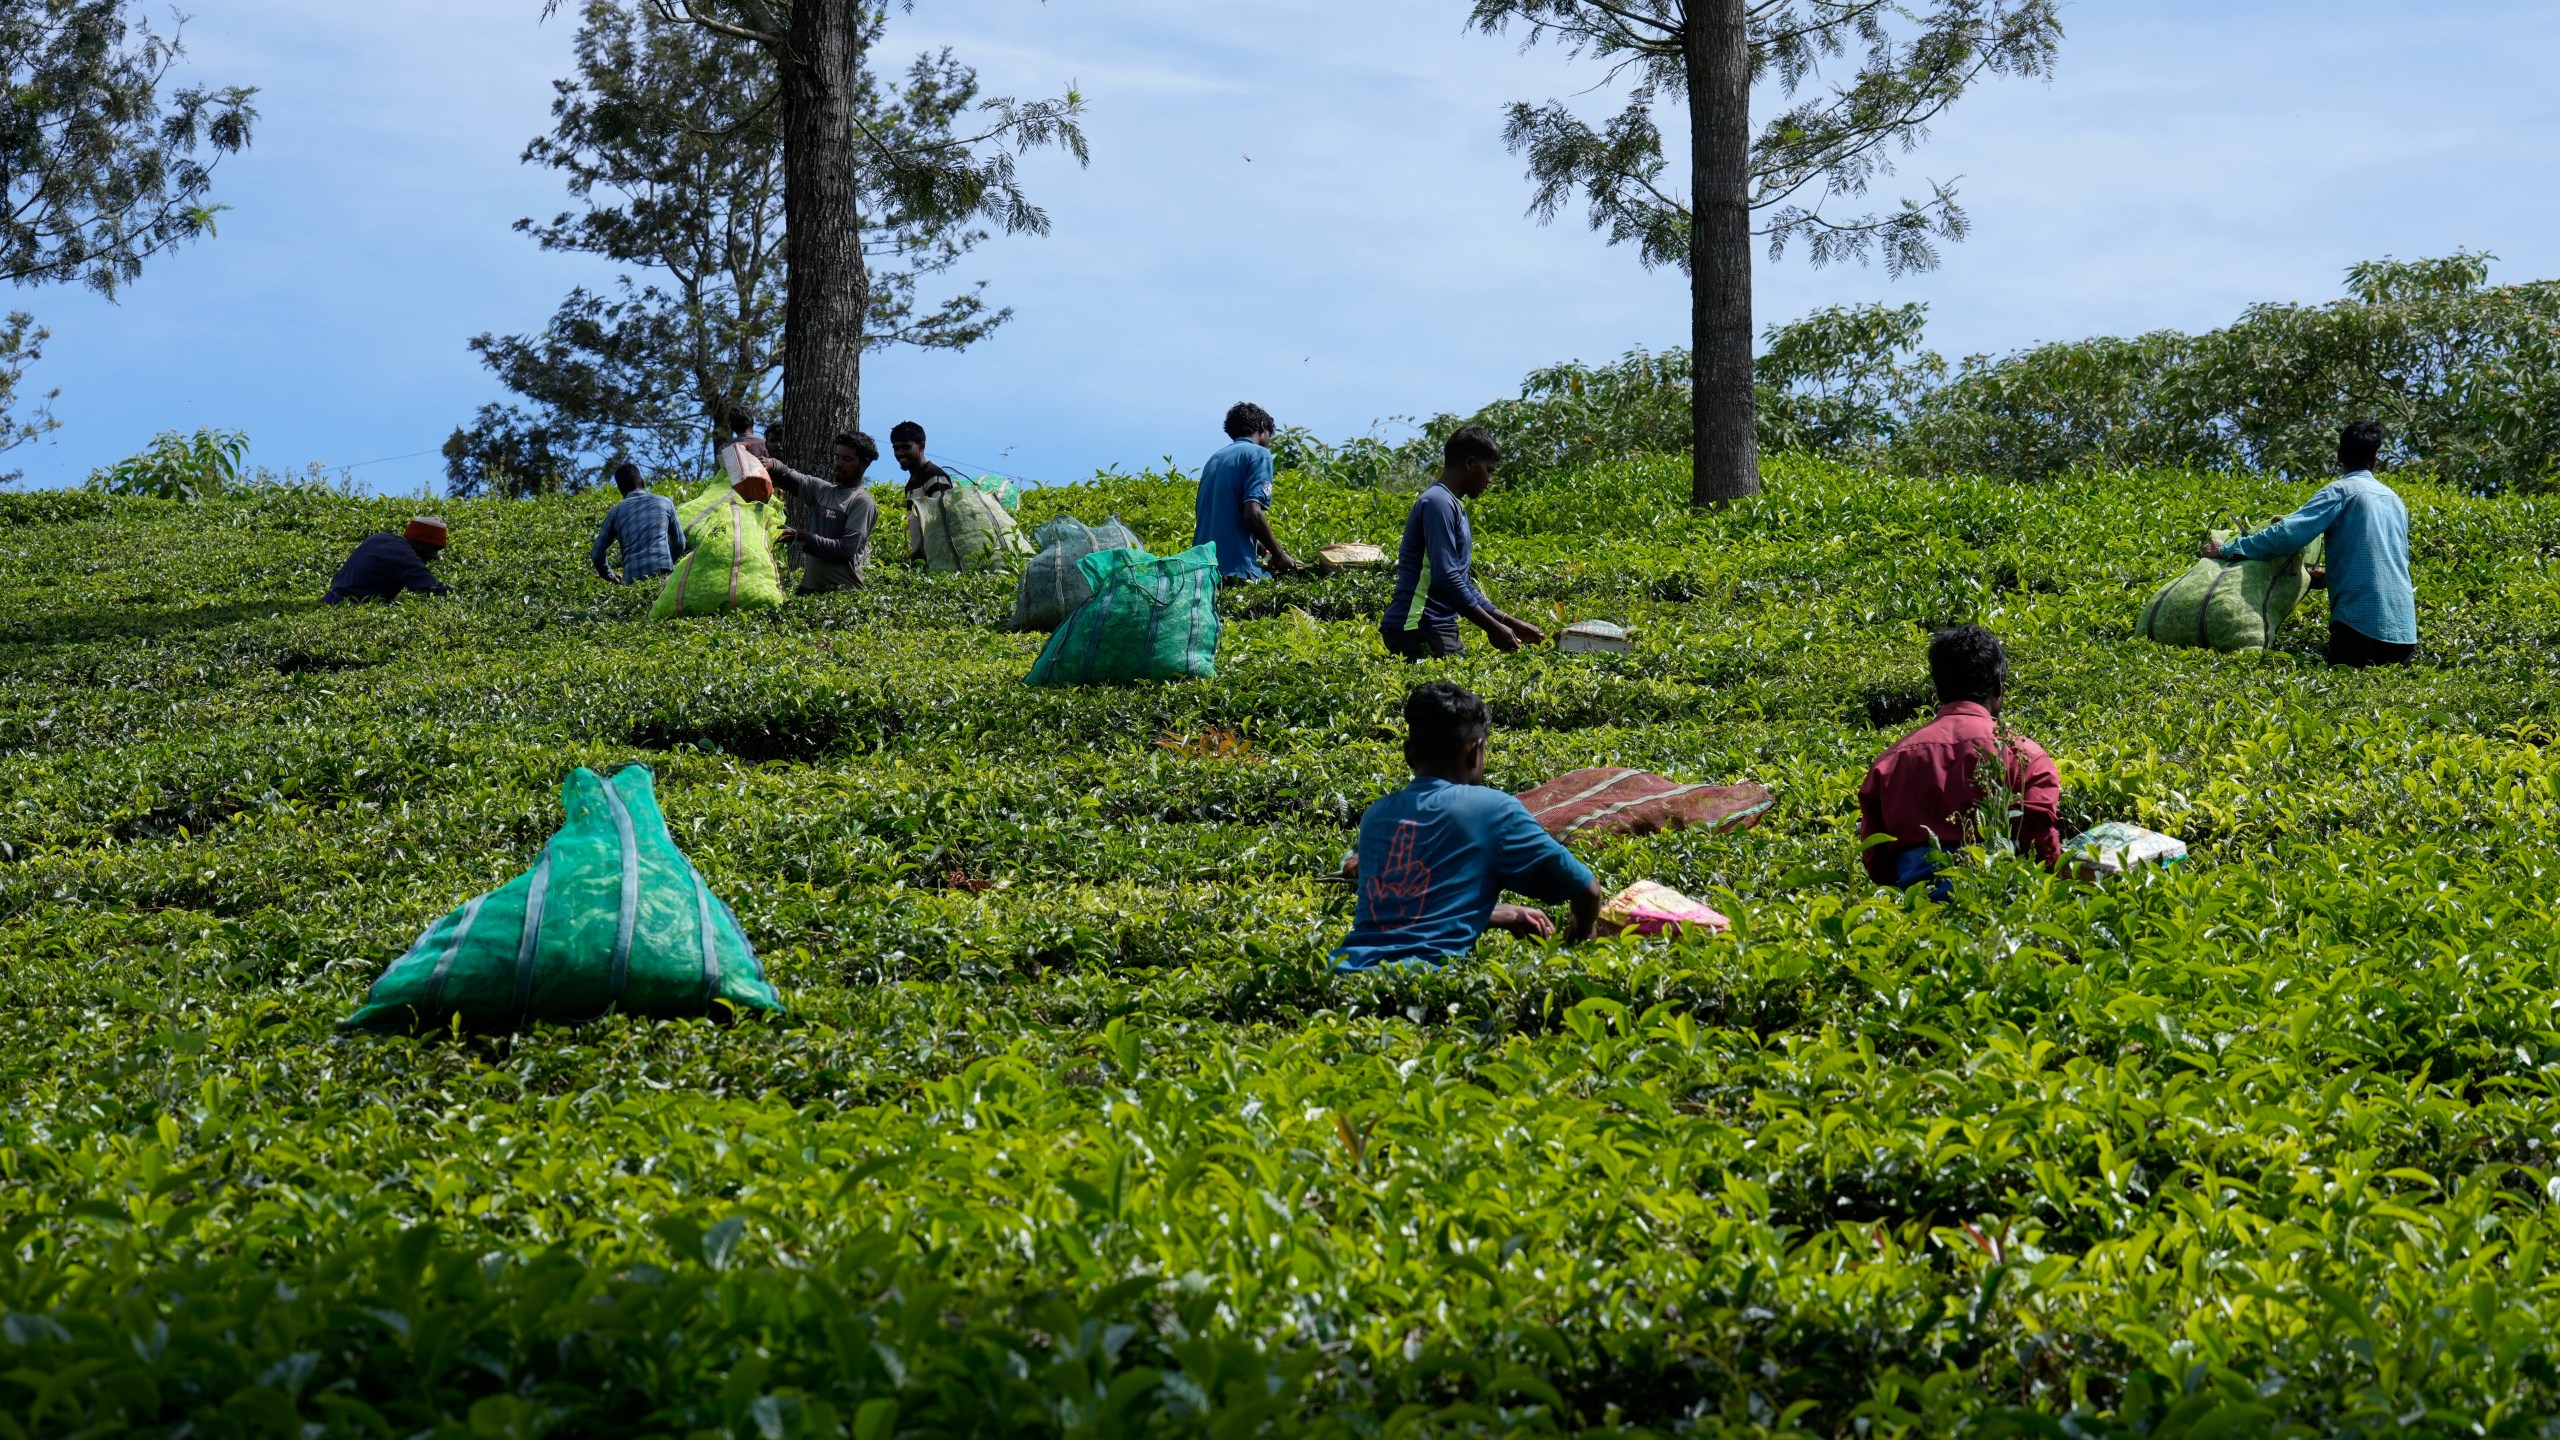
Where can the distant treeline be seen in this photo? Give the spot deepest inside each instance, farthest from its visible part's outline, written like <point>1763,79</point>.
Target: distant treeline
<point>2464,375</point>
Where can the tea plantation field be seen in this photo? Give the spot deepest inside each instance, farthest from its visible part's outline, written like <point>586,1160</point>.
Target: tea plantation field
<point>1069,1132</point>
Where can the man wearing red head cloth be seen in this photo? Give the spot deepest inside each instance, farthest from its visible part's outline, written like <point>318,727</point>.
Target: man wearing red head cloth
<point>385,565</point>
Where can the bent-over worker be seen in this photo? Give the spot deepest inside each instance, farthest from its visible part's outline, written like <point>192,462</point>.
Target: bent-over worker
<point>1233,510</point>
<point>385,565</point>
<point>1435,564</point>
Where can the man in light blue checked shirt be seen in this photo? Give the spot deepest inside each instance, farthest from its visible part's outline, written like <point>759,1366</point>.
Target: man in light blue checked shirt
<point>2373,609</point>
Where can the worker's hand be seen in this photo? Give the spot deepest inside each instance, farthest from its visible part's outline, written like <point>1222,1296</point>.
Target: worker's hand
<point>2319,577</point>
<point>1529,634</point>
<point>617,579</point>
<point>1522,921</point>
<point>2211,549</point>
<point>788,536</point>
<point>1503,636</point>
<point>1284,565</point>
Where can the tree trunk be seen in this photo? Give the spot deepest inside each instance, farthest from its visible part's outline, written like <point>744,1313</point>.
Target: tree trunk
<point>829,295</point>
<point>1723,410</point>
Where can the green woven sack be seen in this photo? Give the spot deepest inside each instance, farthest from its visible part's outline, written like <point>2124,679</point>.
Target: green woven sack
<point>612,917</point>
<point>1150,618</point>
<point>2229,605</point>
<point>730,566</point>
<point>966,529</point>
<point>1007,494</point>
<point>1053,584</point>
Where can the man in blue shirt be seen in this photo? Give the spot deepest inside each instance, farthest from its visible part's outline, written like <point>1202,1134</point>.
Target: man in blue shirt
<point>644,525</point>
<point>1435,566</point>
<point>1235,499</point>
<point>1436,856</point>
<point>2373,609</point>
<point>384,566</point>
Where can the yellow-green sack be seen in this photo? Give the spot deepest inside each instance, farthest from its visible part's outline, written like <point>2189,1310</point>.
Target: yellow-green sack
<point>966,529</point>
<point>2229,605</point>
<point>730,566</point>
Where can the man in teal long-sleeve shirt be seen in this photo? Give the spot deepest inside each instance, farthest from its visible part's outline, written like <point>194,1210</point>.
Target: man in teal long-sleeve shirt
<point>2373,609</point>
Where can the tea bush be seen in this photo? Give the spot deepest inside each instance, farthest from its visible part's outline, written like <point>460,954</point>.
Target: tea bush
<point>1069,1132</point>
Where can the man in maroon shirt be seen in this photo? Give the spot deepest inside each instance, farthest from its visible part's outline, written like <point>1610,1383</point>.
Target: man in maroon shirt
<point>1925,794</point>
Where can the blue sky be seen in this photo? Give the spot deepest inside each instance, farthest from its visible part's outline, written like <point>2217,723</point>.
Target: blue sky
<point>1370,259</point>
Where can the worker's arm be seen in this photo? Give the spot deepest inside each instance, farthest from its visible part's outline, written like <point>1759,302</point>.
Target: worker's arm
<point>417,577</point>
<point>1535,863</point>
<point>788,479</point>
<point>1257,525</point>
<point>595,556</point>
<point>2287,536</point>
<point>1586,913</point>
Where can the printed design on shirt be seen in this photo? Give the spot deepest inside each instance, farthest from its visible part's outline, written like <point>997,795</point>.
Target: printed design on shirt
<point>1401,889</point>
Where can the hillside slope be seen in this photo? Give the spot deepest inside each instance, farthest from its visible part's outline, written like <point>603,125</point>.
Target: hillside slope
<point>1069,1131</point>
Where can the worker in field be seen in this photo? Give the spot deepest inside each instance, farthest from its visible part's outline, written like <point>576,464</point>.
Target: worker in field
<point>385,566</point>
<point>2373,609</point>
<point>1435,565</point>
<point>1233,511</point>
<point>1436,857</point>
<point>644,525</point>
<point>924,478</point>
<point>1931,793</point>
<point>742,432</point>
<point>836,546</point>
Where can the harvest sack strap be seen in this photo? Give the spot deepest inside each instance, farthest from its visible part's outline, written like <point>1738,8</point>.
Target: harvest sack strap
<point>444,967</point>
<point>710,942</point>
<point>2204,611</point>
<point>531,945</point>
<point>630,896</point>
<point>737,546</point>
<point>1614,800</point>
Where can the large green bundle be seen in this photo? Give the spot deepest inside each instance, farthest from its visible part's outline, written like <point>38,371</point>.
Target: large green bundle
<point>965,529</point>
<point>612,917</point>
<point>730,566</point>
<point>1150,618</point>
<point>1053,584</point>
<point>2229,605</point>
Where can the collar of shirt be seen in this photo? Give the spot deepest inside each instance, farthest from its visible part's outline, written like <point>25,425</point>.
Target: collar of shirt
<point>1973,708</point>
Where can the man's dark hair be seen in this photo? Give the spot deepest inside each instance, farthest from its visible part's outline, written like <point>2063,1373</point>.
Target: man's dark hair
<point>861,445</point>
<point>627,475</point>
<point>1244,418</point>
<point>2360,445</point>
<point>904,431</point>
<point>1439,719</point>
<point>1469,444</point>
<point>740,421</point>
<point>1967,663</point>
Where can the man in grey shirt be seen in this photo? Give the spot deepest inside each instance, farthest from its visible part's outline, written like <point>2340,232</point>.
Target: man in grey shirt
<point>645,526</point>
<point>841,514</point>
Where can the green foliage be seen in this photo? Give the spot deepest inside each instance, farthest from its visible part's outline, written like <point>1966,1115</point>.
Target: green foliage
<point>1070,1132</point>
<point>2460,372</point>
<point>21,345</point>
<point>103,172</point>
<point>177,467</point>
<point>1832,140</point>
<point>2464,376</point>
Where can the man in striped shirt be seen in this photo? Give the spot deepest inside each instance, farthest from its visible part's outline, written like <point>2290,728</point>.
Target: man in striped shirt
<point>1435,579</point>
